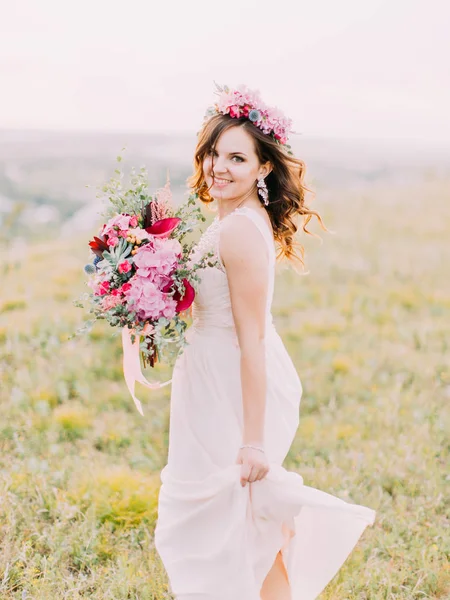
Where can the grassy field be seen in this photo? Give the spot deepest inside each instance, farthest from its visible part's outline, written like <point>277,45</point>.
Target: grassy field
<point>369,332</point>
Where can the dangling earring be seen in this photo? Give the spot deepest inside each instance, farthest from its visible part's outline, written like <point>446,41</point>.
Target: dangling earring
<point>263,191</point>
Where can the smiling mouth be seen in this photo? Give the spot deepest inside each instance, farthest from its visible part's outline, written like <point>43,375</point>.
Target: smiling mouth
<point>221,181</point>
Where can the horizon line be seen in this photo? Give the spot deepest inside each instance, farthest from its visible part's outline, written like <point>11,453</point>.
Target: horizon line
<point>438,143</point>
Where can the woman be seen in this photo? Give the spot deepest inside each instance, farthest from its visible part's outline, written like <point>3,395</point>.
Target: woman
<point>233,524</point>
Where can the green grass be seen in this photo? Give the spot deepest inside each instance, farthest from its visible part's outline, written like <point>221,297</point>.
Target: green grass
<point>369,333</point>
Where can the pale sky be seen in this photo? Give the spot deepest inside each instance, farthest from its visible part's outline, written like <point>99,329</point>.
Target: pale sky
<point>347,68</point>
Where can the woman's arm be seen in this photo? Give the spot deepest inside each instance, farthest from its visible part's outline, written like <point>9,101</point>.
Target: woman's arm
<point>245,256</point>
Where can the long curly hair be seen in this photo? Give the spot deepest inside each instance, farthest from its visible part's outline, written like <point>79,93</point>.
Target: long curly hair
<point>285,183</point>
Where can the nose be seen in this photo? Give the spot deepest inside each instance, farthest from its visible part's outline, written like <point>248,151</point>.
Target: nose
<point>218,165</point>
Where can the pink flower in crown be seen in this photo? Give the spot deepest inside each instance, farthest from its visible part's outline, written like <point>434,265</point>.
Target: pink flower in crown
<point>239,99</point>
<point>133,221</point>
<point>255,99</point>
<point>161,256</point>
<point>148,301</point>
<point>242,95</point>
<point>243,102</point>
<point>234,112</point>
<point>226,101</point>
<point>266,124</point>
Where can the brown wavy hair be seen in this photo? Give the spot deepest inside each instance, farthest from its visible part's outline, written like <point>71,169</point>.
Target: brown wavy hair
<point>285,183</point>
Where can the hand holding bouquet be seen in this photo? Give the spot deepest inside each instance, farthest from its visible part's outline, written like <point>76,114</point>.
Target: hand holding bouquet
<point>140,277</point>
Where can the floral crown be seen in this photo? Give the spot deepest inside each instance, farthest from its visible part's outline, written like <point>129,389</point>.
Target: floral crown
<point>245,103</point>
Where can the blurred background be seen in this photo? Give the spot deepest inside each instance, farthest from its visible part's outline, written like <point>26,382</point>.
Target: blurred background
<point>368,88</point>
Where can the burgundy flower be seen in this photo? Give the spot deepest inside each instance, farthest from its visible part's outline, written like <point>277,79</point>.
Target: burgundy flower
<point>164,227</point>
<point>185,301</point>
<point>167,286</point>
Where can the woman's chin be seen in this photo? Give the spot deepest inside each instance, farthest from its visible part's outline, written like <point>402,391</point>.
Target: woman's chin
<point>221,192</point>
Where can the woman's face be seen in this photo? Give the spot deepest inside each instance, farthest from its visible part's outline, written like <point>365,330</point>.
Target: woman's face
<point>235,163</point>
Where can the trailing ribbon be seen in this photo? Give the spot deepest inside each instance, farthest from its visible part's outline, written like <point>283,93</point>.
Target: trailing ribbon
<point>132,366</point>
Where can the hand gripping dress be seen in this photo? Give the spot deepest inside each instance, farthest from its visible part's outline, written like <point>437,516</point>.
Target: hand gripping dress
<point>217,539</point>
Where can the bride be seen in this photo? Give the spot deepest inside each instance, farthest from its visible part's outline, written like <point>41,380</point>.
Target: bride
<point>233,524</point>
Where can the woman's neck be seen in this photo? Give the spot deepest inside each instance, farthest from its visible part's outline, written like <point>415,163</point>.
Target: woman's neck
<point>227,207</point>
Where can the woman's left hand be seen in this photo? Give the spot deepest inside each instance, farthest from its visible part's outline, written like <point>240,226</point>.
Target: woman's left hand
<point>254,465</point>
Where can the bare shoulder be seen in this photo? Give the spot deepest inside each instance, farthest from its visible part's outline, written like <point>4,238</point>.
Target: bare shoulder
<point>241,242</point>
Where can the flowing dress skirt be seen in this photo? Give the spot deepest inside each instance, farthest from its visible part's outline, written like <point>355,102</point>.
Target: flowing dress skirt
<point>217,539</point>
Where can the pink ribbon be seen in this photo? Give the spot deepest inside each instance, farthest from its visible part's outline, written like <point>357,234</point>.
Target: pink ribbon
<point>132,366</point>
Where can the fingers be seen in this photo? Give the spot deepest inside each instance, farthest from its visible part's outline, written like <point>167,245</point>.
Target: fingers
<point>245,472</point>
<point>253,475</point>
<point>250,474</point>
<point>262,473</point>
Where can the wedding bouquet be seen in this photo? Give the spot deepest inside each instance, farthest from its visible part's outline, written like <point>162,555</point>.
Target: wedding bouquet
<point>140,275</point>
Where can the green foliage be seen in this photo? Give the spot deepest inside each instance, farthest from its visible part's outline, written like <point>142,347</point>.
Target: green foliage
<point>116,255</point>
<point>13,305</point>
<point>369,334</point>
<point>125,199</point>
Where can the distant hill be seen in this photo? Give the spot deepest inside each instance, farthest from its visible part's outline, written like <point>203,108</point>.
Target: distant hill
<point>43,174</point>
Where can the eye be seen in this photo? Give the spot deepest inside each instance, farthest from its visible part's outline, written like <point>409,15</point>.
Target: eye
<point>238,159</point>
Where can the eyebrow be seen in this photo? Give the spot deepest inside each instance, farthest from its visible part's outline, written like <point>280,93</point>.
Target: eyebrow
<point>231,153</point>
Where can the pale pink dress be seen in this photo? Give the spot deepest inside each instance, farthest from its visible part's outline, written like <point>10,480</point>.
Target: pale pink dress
<point>217,539</point>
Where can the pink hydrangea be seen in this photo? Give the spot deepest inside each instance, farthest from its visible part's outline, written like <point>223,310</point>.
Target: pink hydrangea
<point>162,282</point>
<point>159,257</point>
<point>148,301</point>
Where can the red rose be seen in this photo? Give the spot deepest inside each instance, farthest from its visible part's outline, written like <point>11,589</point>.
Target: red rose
<point>125,287</point>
